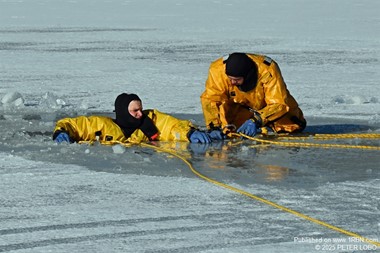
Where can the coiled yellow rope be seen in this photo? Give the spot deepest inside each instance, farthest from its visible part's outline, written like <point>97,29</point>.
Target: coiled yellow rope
<point>263,200</point>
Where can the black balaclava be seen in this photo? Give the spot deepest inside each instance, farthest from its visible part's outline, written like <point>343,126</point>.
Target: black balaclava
<point>240,65</point>
<point>127,122</point>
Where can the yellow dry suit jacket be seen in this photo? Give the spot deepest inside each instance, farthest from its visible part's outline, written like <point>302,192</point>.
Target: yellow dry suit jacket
<point>223,103</point>
<point>87,129</point>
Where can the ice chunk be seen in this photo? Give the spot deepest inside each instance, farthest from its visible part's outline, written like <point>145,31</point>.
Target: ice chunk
<point>13,98</point>
<point>49,100</point>
<point>118,149</point>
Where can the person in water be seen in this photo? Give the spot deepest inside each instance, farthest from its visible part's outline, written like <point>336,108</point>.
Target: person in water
<point>131,124</point>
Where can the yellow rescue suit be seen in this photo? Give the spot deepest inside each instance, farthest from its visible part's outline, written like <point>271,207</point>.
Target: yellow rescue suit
<point>104,129</point>
<point>224,104</point>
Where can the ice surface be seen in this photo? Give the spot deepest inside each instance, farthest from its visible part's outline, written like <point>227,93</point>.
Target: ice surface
<point>69,58</point>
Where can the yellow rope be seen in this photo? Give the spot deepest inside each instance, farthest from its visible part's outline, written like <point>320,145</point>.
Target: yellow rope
<point>330,136</point>
<point>305,144</point>
<point>265,201</point>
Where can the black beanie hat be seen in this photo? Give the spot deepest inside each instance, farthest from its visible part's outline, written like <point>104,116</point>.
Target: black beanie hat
<point>239,65</point>
<point>127,122</point>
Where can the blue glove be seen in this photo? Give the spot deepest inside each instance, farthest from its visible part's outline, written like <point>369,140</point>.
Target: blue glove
<point>216,135</point>
<point>62,137</point>
<point>248,128</point>
<point>199,137</point>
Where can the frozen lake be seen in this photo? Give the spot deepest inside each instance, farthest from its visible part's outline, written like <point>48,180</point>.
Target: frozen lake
<point>68,58</point>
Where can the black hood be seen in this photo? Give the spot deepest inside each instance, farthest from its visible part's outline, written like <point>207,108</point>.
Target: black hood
<point>127,122</point>
<point>240,65</point>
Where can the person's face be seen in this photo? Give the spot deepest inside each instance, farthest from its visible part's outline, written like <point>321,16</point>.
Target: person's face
<point>236,80</point>
<point>135,109</point>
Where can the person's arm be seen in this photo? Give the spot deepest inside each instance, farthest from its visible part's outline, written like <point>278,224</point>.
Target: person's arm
<point>215,94</point>
<point>276,95</point>
<point>78,129</point>
<point>171,129</point>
